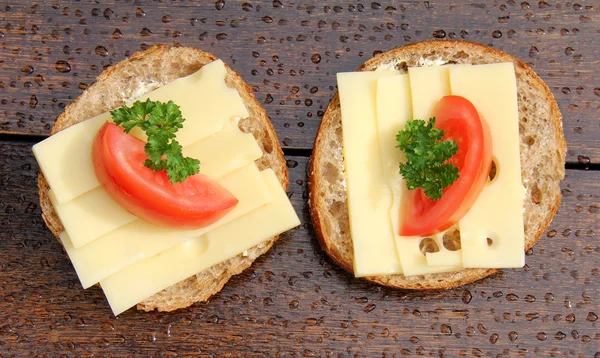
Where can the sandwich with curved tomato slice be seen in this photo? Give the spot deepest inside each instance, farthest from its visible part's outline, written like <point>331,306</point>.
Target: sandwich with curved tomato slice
<point>440,183</point>
<point>152,186</point>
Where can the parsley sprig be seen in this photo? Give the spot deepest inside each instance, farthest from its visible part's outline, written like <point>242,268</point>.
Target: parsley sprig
<point>427,156</point>
<point>160,121</point>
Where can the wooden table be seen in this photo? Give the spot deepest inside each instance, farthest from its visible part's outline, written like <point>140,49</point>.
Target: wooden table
<point>294,301</point>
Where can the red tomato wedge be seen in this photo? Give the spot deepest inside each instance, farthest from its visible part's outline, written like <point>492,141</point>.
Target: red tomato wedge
<point>459,120</point>
<point>119,164</point>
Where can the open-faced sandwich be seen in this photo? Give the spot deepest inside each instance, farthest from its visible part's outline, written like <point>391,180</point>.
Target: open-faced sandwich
<point>162,180</point>
<point>435,165</point>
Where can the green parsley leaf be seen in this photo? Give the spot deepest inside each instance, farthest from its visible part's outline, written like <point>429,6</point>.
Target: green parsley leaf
<point>426,156</point>
<point>160,121</point>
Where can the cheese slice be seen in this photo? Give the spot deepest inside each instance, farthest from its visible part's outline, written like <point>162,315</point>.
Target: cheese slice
<point>206,103</point>
<point>427,86</point>
<point>395,106</point>
<point>95,213</point>
<point>139,239</point>
<point>451,259</point>
<point>90,216</point>
<point>369,196</point>
<point>224,151</point>
<point>498,212</point>
<point>65,159</point>
<point>141,280</point>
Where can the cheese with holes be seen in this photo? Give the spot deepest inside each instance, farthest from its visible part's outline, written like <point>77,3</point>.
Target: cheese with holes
<point>498,212</point>
<point>369,197</point>
<point>495,218</point>
<point>139,239</point>
<point>395,106</point>
<point>143,279</point>
<point>206,103</point>
<point>95,213</point>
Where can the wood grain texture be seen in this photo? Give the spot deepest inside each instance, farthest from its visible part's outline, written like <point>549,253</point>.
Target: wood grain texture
<point>289,52</point>
<point>295,302</point>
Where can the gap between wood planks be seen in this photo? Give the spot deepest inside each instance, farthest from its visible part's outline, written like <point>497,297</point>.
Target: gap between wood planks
<point>287,151</point>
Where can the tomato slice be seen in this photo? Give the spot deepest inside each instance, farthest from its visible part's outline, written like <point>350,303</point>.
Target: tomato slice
<point>119,164</point>
<point>459,120</point>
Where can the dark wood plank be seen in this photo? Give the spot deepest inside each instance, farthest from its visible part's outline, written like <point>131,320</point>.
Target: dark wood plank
<point>289,52</point>
<point>295,302</point>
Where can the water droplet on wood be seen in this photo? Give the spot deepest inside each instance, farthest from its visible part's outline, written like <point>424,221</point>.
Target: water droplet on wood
<point>33,101</point>
<point>439,34</point>
<point>101,51</point>
<point>27,69</point>
<point>533,52</point>
<point>62,66</point>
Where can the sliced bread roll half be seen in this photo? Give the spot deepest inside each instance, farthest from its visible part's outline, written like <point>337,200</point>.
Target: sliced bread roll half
<point>141,73</point>
<point>542,147</point>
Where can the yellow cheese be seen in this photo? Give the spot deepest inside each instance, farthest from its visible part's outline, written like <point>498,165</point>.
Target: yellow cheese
<point>206,103</point>
<point>445,258</point>
<point>90,215</point>
<point>140,239</point>
<point>224,151</point>
<point>498,212</point>
<point>369,197</point>
<point>95,213</point>
<point>65,159</point>
<point>136,282</point>
<point>395,107</point>
<point>427,85</point>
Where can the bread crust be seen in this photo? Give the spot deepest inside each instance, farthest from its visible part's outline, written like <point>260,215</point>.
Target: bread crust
<point>543,150</point>
<point>139,74</point>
